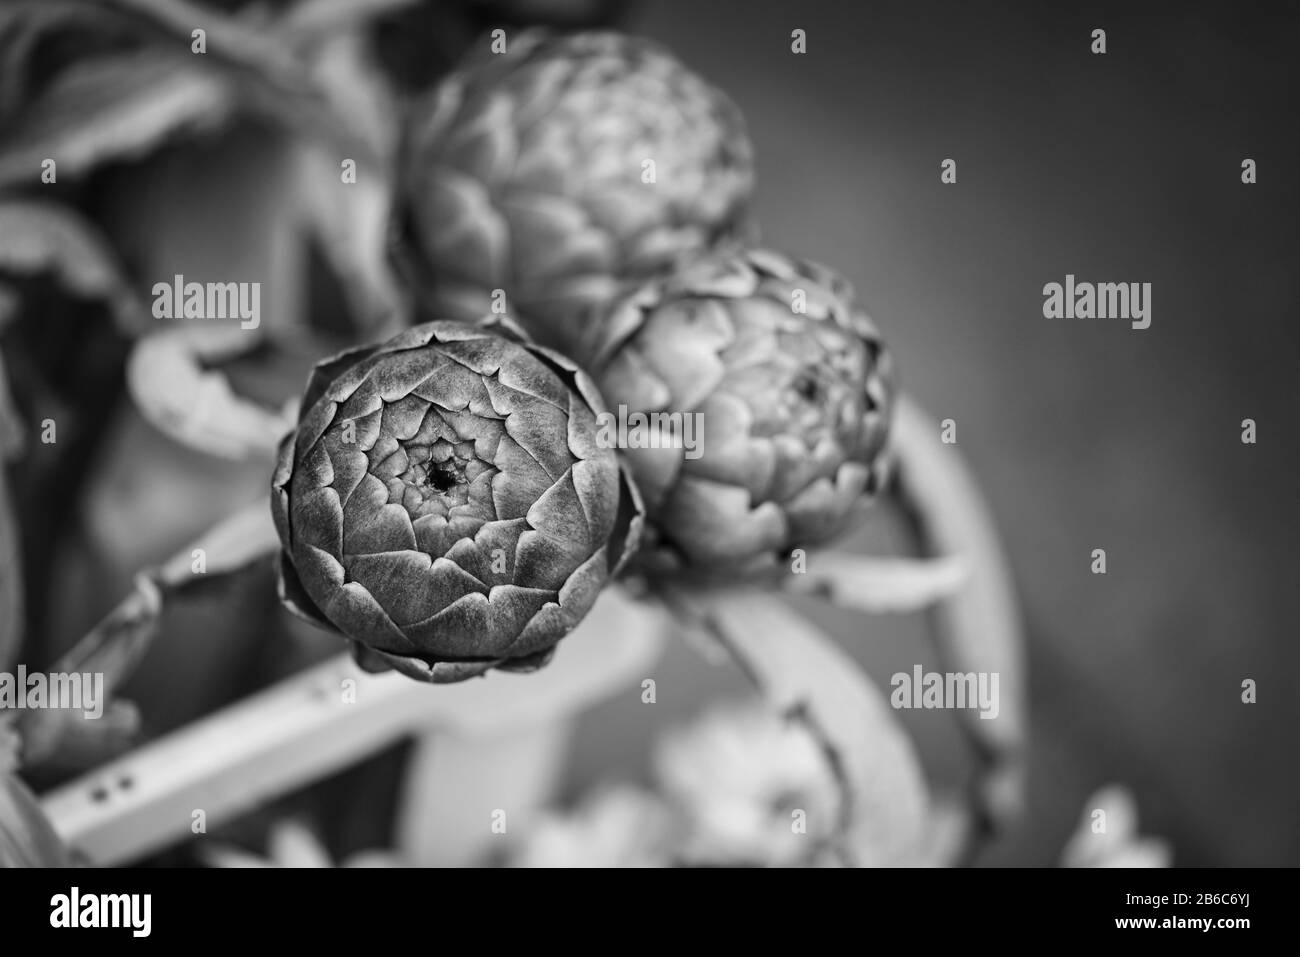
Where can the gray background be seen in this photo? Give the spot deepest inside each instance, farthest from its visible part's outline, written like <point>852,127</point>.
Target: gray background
<point>1085,433</point>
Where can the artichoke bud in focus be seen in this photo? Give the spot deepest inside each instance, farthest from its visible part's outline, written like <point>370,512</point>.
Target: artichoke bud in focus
<point>562,173</point>
<point>774,394</point>
<point>444,504</point>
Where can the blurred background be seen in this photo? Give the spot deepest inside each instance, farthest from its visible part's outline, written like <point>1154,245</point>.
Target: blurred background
<point>1084,434</point>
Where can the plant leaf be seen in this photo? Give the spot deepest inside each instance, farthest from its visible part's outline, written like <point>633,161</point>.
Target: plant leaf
<point>170,380</point>
<point>113,107</point>
<point>273,78</point>
<point>307,18</point>
<point>116,644</point>
<point>38,237</point>
<point>112,648</point>
<point>802,673</point>
<point>23,25</point>
<point>349,222</point>
<point>119,640</point>
<point>70,741</point>
<point>235,542</point>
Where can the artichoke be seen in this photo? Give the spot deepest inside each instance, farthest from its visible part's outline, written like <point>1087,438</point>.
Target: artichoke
<point>443,502</point>
<point>525,173</point>
<point>792,391</point>
<point>738,774</point>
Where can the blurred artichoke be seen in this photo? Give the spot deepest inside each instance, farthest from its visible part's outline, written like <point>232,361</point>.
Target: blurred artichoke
<point>614,826</point>
<point>755,788</point>
<point>792,390</point>
<point>526,173</point>
<point>443,502</point>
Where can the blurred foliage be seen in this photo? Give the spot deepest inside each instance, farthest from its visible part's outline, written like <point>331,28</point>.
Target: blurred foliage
<point>167,160</point>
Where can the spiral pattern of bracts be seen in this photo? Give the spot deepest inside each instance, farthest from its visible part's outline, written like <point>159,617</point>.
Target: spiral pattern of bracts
<point>526,172</point>
<point>444,504</point>
<point>794,391</point>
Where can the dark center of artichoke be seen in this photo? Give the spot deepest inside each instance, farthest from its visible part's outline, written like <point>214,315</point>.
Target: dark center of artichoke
<point>808,387</point>
<point>444,475</point>
<point>439,476</point>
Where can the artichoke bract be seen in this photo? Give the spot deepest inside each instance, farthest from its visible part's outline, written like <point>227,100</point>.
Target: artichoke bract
<point>758,395</point>
<point>559,172</point>
<point>444,505</point>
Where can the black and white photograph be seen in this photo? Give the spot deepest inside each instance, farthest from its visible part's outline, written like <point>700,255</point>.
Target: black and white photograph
<point>611,434</point>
